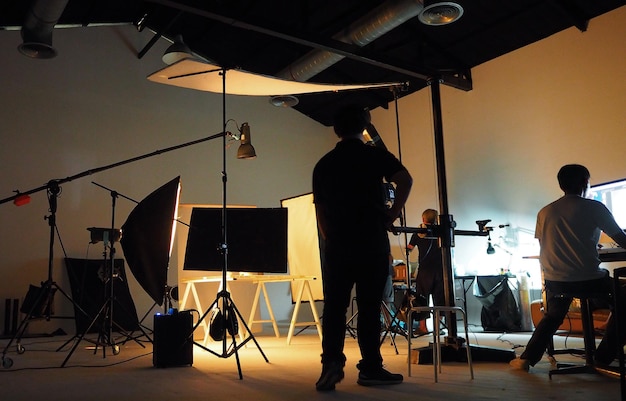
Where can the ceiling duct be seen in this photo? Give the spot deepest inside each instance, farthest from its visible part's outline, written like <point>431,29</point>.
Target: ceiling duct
<point>360,33</point>
<point>38,26</point>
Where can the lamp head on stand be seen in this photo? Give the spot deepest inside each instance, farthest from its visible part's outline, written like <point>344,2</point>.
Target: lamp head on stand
<point>171,295</point>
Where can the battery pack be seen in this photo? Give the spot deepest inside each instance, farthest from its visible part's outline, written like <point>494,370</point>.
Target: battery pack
<point>173,340</point>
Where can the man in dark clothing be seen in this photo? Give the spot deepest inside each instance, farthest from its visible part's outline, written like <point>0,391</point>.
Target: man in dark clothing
<point>353,221</point>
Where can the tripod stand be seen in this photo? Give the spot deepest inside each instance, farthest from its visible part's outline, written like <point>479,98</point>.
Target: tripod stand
<point>227,319</point>
<point>41,306</point>
<point>105,313</point>
<point>389,324</point>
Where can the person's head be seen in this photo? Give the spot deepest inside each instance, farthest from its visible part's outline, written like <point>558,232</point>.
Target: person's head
<point>351,121</point>
<point>573,179</point>
<point>429,216</point>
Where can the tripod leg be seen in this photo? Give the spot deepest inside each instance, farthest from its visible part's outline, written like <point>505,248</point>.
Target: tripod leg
<point>250,335</point>
<point>44,291</point>
<point>76,306</point>
<point>230,310</point>
<point>351,330</point>
<point>233,334</point>
<point>388,319</point>
<point>82,335</point>
<point>130,336</point>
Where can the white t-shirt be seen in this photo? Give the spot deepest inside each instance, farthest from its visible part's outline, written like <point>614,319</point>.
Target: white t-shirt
<point>568,230</point>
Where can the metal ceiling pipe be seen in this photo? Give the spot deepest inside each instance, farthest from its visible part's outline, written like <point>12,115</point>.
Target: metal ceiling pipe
<point>360,33</point>
<point>38,26</point>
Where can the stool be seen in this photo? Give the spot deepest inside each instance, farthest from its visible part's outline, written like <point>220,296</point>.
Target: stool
<point>436,310</point>
<point>619,327</point>
<point>588,337</point>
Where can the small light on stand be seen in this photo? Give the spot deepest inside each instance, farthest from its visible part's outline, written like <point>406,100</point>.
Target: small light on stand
<point>246,150</point>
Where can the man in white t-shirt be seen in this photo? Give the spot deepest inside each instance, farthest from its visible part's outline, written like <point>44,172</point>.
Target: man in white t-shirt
<point>568,231</point>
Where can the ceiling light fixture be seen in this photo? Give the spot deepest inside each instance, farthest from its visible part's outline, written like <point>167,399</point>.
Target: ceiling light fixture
<point>284,101</point>
<point>440,12</point>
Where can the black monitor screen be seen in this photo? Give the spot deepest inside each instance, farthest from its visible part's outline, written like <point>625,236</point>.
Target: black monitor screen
<point>256,239</point>
<point>613,195</point>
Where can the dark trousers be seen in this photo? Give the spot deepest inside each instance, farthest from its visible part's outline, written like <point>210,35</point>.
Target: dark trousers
<point>556,310</point>
<point>341,273</point>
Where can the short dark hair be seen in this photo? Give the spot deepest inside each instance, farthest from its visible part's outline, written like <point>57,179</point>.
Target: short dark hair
<point>430,215</point>
<point>573,178</point>
<point>351,120</point>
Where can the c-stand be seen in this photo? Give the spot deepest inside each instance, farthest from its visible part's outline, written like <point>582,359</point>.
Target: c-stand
<point>45,295</point>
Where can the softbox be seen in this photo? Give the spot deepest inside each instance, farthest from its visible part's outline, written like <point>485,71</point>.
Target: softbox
<point>147,237</point>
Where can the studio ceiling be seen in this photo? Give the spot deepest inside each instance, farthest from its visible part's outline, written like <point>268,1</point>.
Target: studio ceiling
<point>368,41</point>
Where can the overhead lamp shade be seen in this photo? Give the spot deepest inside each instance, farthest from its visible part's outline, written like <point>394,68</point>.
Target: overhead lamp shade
<point>177,51</point>
<point>440,12</point>
<point>246,150</point>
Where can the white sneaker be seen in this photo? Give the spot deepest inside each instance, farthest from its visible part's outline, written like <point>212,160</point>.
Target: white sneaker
<point>520,364</point>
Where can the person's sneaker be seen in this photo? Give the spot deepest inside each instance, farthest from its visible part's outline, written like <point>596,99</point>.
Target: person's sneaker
<point>520,364</point>
<point>379,377</point>
<point>332,373</point>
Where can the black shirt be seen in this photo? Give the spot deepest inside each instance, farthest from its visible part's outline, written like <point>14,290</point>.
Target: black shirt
<point>348,182</point>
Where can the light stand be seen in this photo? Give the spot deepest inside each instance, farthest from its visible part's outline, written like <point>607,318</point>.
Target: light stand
<point>105,313</point>
<point>228,319</point>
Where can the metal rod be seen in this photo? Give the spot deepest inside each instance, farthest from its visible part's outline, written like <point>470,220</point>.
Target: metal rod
<point>109,166</point>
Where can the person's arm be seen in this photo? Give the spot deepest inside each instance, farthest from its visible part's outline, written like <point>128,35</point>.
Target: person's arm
<point>321,220</point>
<point>611,228</point>
<point>619,237</point>
<point>412,242</point>
<point>403,181</point>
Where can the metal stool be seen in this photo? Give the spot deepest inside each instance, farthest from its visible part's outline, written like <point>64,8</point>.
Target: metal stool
<point>589,338</point>
<point>436,310</point>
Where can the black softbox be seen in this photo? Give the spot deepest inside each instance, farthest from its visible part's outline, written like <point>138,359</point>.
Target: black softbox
<point>146,239</point>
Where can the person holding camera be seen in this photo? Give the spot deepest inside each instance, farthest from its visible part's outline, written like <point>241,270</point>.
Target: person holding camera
<point>353,220</point>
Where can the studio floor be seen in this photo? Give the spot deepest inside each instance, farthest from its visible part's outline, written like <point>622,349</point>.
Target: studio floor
<point>290,374</point>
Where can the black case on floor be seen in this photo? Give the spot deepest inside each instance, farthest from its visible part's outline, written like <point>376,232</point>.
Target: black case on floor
<point>173,340</point>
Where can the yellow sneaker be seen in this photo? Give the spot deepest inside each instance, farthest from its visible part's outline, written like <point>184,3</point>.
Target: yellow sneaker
<point>520,364</point>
